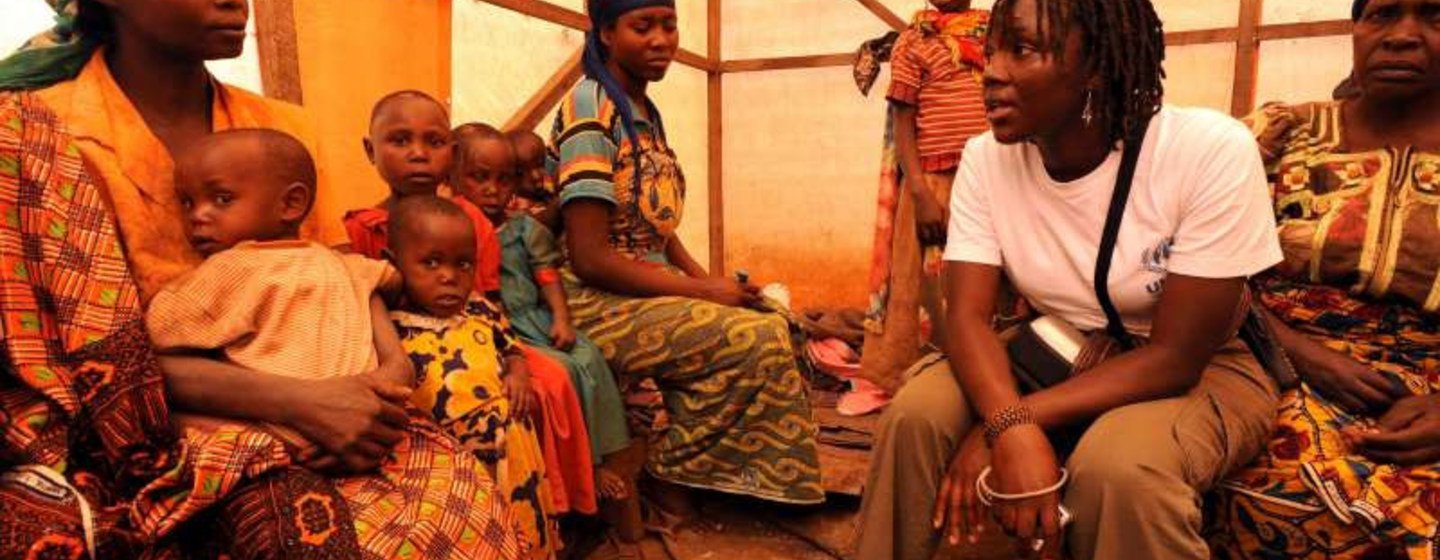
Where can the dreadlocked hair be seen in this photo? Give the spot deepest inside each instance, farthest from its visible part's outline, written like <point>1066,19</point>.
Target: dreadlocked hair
<point>1123,41</point>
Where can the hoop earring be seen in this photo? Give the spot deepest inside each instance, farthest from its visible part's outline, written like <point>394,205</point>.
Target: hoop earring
<point>1088,116</point>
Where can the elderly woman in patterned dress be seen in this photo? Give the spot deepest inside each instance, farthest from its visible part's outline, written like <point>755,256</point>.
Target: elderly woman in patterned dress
<point>1353,469</point>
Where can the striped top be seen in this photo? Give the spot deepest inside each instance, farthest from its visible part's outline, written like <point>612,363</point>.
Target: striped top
<point>923,73</point>
<point>596,162</point>
<point>292,308</point>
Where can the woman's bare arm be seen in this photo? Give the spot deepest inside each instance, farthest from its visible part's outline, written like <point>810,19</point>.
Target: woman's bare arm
<point>1192,322</point>
<point>587,227</point>
<point>395,365</point>
<point>679,256</point>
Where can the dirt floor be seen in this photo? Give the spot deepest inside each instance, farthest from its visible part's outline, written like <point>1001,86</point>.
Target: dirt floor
<point>737,529</point>
<point>740,529</point>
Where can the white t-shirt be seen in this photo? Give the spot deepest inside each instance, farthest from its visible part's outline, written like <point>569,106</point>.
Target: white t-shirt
<point>1199,206</point>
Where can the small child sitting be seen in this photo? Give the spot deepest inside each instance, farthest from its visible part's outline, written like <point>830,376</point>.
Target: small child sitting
<point>469,362</point>
<point>535,187</point>
<point>484,167</point>
<point>534,297</point>
<point>269,301</point>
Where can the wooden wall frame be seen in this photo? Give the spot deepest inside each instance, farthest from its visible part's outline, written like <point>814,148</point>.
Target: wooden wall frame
<point>715,94</point>
<point>279,50</point>
<point>540,9</point>
<point>1247,58</point>
<point>1246,36</point>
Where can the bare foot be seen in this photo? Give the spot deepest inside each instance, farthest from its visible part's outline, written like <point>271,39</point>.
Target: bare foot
<point>612,486</point>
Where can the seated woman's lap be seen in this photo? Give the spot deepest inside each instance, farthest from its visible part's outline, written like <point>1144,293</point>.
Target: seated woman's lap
<point>1133,467</point>
<point>737,400</point>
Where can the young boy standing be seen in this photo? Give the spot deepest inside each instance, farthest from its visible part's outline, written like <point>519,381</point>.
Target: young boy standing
<point>936,106</point>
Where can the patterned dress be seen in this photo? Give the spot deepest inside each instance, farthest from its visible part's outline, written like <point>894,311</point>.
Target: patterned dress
<point>82,395</point>
<point>1362,276</point>
<point>739,414</point>
<point>530,257</point>
<point>459,362</point>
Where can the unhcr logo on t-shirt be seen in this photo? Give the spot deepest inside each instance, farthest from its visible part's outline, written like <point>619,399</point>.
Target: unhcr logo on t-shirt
<point>1154,261</point>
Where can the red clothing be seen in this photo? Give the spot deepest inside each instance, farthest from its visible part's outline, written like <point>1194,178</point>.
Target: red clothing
<point>942,83</point>
<point>564,439</point>
<point>368,229</point>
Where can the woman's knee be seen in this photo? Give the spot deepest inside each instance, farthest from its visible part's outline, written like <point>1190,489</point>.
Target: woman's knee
<point>930,406</point>
<point>1130,459</point>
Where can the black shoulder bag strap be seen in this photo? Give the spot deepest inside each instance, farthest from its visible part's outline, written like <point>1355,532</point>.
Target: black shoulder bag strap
<point>1133,142</point>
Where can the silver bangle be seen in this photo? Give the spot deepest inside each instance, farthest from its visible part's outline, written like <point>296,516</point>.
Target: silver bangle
<point>989,496</point>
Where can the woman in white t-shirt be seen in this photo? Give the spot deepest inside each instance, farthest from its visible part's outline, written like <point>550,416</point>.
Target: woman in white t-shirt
<point>1066,82</point>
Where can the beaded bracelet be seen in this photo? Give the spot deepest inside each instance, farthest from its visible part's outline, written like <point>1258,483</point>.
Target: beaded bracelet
<point>1009,417</point>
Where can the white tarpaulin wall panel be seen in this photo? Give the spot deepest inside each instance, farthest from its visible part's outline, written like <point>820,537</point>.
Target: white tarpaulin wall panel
<point>694,25</point>
<point>682,99</point>
<point>500,58</point>
<point>1299,70</point>
<point>1296,11</point>
<point>802,165</point>
<point>1189,15</point>
<point>23,20</point>
<point>1200,75</point>
<point>776,28</point>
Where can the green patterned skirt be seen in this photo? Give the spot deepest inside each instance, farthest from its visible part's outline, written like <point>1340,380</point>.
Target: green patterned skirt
<point>739,414</point>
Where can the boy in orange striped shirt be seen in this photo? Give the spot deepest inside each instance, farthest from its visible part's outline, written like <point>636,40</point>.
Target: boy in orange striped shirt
<point>936,106</point>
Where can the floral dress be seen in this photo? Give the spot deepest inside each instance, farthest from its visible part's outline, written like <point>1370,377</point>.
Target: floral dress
<point>1362,276</point>
<point>461,384</point>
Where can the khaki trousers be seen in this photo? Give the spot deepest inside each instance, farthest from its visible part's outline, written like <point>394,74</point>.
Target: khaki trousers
<point>1137,475</point>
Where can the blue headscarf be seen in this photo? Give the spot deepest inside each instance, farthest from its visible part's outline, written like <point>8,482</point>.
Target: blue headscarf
<point>604,13</point>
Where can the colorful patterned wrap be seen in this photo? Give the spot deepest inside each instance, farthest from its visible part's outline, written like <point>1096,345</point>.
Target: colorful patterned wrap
<point>1362,276</point>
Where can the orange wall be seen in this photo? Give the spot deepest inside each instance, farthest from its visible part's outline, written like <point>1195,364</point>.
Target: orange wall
<point>352,52</point>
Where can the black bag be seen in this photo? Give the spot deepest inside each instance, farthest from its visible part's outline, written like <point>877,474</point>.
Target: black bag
<point>1047,351</point>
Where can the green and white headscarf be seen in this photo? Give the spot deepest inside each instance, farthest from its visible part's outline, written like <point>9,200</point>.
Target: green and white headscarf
<point>50,57</point>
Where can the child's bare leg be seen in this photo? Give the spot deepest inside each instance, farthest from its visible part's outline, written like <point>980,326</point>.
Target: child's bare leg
<point>622,510</point>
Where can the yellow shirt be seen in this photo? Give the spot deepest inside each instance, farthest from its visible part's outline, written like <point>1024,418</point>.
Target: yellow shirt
<point>136,171</point>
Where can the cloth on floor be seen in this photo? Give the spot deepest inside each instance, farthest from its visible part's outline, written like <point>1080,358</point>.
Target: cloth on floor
<point>834,357</point>
<point>843,323</point>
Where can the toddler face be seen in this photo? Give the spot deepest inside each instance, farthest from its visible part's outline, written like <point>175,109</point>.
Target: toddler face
<point>228,196</point>
<point>436,256</point>
<point>530,153</point>
<point>486,175</point>
<point>411,146</point>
